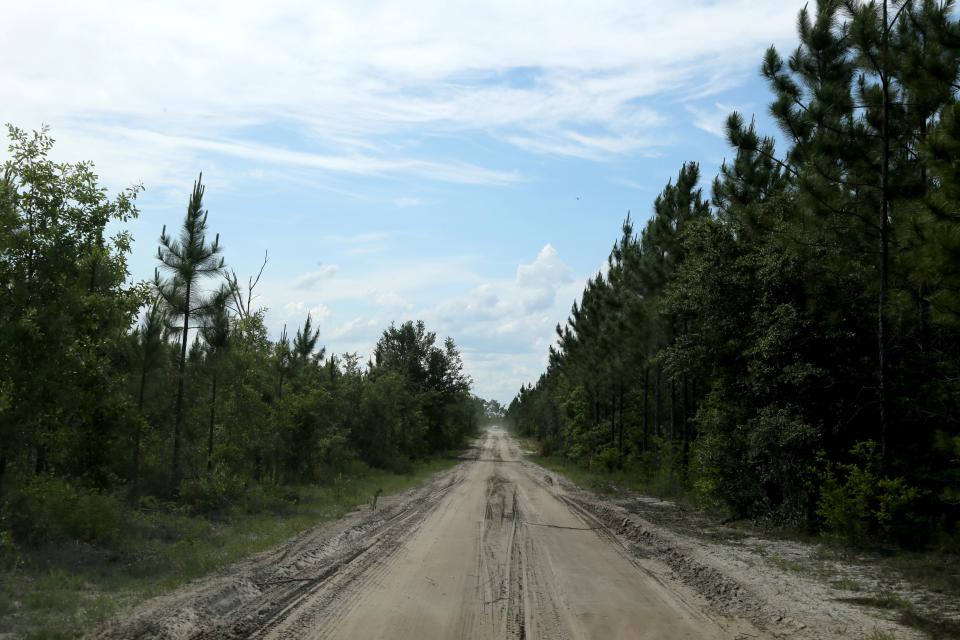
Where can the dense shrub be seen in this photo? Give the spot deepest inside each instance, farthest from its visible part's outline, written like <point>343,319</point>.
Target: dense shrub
<point>858,503</point>
<point>8,551</point>
<point>212,492</point>
<point>608,458</point>
<point>50,509</point>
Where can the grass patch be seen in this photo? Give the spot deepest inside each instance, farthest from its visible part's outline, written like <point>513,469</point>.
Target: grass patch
<point>909,616</point>
<point>600,480</point>
<point>935,571</point>
<point>847,584</point>
<point>60,591</point>
<point>785,564</point>
<point>939,572</point>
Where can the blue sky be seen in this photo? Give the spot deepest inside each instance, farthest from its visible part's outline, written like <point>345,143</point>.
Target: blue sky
<point>465,164</point>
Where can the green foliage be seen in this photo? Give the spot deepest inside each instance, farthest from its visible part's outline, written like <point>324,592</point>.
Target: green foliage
<point>812,304</point>
<point>92,403</point>
<point>65,308</point>
<point>9,554</point>
<point>212,492</point>
<point>51,509</point>
<point>608,459</point>
<point>857,503</point>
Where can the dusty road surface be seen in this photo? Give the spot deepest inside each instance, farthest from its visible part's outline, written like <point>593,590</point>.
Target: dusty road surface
<point>495,550</point>
<point>498,547</point>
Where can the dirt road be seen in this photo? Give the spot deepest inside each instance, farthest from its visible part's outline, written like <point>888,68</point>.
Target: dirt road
<point>498,547</point>
<point>495,551</point>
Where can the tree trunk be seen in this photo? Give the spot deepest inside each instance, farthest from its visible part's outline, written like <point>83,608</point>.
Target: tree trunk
<point>41,460</point>
<point>181,371</point>
<point>3,471</point>
<point>213,414</point>
<point>673,413</point>
<point>884,240</point>
<point>656,403</point>
<point>646,387</point>
<point>613,418</point>
<point>620,400</point>
<point>137,429</point>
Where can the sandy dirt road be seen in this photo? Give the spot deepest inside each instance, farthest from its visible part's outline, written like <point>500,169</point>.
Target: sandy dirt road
<point>496,551</point>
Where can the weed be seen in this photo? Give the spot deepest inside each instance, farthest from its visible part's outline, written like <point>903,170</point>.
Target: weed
<point>847,584</point>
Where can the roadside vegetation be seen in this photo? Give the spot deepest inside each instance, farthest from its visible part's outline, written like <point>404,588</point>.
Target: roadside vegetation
<point>58,590</point>
<point>787,348</point>
<point>151,431</point>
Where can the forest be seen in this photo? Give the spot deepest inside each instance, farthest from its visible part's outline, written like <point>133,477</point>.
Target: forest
<point>785,346</point>
<point>118,395</point>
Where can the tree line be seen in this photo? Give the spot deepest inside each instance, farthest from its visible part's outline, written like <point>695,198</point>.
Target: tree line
<point>173,389</point>
<point>788,347</point>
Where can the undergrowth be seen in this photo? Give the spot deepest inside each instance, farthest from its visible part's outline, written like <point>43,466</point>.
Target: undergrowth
<point>60,589</point>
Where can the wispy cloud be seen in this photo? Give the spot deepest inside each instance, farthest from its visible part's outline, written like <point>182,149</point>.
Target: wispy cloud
<point>407,202</point>
<point>408,107</point>
<point>351,77</point>
<point>712,119</point>
<point>312,278</point>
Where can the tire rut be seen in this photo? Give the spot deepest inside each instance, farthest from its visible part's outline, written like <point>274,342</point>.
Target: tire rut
<point>343,576</point>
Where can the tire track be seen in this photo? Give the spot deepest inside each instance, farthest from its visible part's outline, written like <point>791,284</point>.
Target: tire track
<point>283,597</point>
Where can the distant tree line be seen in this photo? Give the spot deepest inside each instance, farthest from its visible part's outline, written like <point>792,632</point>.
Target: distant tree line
<point>790,347</point>
<point>173,388</point>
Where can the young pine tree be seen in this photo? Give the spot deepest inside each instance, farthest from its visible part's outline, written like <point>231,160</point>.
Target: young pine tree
<point>188,259</point>
<point>150,339</point>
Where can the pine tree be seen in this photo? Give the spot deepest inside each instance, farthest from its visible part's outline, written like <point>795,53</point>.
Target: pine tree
<point>216,331</point>
<point>305,343</point>
<point>188,260</point>
<point>150,339</point>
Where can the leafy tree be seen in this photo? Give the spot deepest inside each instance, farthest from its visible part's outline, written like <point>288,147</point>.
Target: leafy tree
<point>65,306</point>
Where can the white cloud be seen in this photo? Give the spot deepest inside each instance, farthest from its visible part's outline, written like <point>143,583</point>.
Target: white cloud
<point>297,311</point>
<point>312,278</point>
<point>407,202</point>
<point>390,300</point>
<point>294,308</point>
<point>320,313</point>
<point>297,91</point>
<point>712,119</point>
<point>148,88</point>
<point>360,327</point>
<point>539,282</point>
<point>502,325</point>
<point>547,270</point>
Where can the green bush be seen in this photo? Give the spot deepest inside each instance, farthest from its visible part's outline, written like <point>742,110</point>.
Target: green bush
<point>273,499</point>
<point>668,477</point>
<point>548,447</point>
<point>213,492</point>
<point>609,459</point>
<point>9,554</point>
<point>857,504</point>
<point>51,509</point>
<point>760,466</point>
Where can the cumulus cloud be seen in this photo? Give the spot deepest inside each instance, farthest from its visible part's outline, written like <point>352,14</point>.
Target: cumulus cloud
<point>294,308</point>
<point>502,325</point>
<point>539,281</point>
<point>320,313</point>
